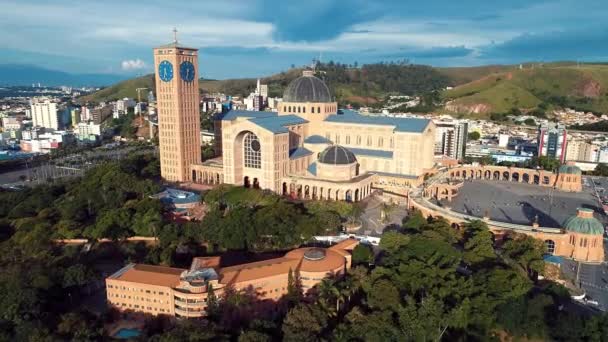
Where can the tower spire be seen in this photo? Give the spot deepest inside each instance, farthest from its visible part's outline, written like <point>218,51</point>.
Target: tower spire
<point>175,35</point>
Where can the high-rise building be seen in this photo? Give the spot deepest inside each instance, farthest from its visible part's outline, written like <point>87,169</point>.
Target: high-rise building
<point>45,114</point>
<point>451,138</point>
<point>178,110</point>
<point>552,141</point>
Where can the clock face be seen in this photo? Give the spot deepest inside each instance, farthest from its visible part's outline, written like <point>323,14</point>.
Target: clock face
<point>186,70</point>
<point>165,71</point>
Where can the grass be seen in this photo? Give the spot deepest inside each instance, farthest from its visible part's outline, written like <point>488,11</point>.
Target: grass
<point>582,87</point>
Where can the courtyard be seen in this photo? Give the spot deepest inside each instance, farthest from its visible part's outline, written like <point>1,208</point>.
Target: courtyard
<point>521,203</point>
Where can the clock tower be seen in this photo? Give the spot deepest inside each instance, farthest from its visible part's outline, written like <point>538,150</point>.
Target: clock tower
<point>178,110</point>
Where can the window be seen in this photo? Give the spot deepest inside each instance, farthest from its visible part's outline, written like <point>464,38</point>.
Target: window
<point>380,142</point>
<point>550,244</point>
<point>252,151</point>
<point>358,140</point>
<point>348,139</point>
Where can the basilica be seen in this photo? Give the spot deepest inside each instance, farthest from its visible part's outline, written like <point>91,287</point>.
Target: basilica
<point>308,149</point>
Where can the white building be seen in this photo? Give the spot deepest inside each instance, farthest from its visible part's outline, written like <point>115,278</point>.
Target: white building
<point>85,129</point>
<point>10,123</point>
<point>122,106</point>
<point>503,140</point>
<point>45,114</point>
<point>451,138</point>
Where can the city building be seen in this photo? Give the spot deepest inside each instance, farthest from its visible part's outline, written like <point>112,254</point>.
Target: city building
<point>75,114</point>
<point>159,290</point>
<point>451,138</point>
<point>45,114</point>
<point>122,106</point>
<point>552,141</point>
<point>11,123</point>
<point>100,114</point>
<point>308,149</point>
<point>84,131</point>
<point>178,110</point>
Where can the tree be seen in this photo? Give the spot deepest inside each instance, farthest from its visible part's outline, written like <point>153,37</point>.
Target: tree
<point>478,244</point>
<point>474,135</point>
<point>294,288</point>
<point>601,170</point>
<point>415,220</point>
<point>362,255</point>
<point>392,242</point>
<point>530,122</point>
<point>304,323</point>
<point>525,252</point>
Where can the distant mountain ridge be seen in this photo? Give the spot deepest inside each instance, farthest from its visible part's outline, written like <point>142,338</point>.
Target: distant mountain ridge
<point>24,74</point>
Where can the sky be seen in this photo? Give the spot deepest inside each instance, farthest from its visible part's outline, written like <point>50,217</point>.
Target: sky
<point>254,38</point>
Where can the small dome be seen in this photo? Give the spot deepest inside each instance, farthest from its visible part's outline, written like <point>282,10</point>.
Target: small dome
<point>314,254</point>
<point>337,155</point>
<point>569,170</point>
<point>584,223</point>
<point>307,88</point>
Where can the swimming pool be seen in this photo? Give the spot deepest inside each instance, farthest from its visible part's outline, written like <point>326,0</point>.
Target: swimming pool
<point>126,333</point>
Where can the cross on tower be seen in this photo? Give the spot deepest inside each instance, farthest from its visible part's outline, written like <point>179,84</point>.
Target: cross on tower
<point>175,35</point>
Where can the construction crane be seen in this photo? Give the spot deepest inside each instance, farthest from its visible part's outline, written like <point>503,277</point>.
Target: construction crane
<point>139,97</point>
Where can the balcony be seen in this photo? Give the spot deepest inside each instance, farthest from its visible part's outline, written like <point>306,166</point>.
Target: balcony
<point>189,312</point>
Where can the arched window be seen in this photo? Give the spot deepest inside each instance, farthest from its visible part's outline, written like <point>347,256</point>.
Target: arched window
<point>358,140</point>
<point>318,109</point>
<point>252,151</point>
<point>392,143</point>
<point>369,141</point>
<point>348,139</point>
<point>550,244</point>
<point>380,142</point>
<point>312,110</point>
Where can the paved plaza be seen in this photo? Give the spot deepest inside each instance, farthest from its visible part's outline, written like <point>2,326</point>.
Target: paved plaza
<point>522,203</point>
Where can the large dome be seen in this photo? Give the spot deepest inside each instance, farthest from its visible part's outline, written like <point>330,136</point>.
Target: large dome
<point>307,88</point>
<point>337,155</point>
<point>584,223</point>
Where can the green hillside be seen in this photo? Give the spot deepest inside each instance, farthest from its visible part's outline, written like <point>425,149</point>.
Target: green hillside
<point>121,90</point>
<point>583,87</point>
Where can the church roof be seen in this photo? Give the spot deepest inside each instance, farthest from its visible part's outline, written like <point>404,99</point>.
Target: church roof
<point>400,124</point>
<point>584,223</point>
<point>299,152</point>
<point>278,124</point>
<point>234,114</point>
<point>337,155</point>
<point>317,139</point>
<point>307,88</point>
<point>371,153</point>
<point>569,169</point>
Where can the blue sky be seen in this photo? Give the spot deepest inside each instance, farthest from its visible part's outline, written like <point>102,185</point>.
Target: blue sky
<point>249,38</point>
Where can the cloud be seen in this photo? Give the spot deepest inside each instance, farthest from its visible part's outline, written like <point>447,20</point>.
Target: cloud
<point>133,65</point>
<point>557,45</point>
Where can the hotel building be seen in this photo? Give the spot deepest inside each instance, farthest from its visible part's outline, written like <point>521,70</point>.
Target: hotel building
<point>160,290</point>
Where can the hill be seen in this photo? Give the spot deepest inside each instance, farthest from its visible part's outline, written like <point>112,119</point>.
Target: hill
<point>121,90</point>
<point>583,87</point>
<point>350,84</point>
<point>25,75</point>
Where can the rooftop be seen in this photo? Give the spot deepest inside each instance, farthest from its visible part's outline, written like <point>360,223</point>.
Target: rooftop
<point>299,152</point>
<point>371,153</point>
<point>149,274</point>
<point>278,124</point>
<point>414,125</point>
<point>317,139</point>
